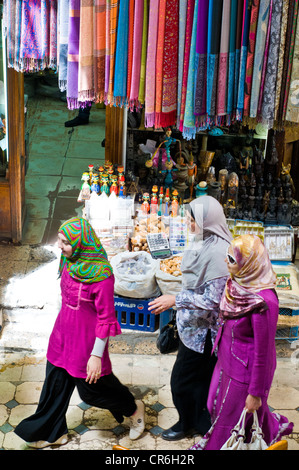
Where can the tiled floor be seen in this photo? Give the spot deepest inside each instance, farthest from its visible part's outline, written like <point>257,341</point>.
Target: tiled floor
<point>29,301</point>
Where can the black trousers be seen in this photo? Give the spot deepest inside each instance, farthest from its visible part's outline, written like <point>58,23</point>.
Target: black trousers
<point>190,382</point>
<point>49,422</point>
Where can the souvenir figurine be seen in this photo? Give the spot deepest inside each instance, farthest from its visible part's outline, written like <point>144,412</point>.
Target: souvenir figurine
<point>232,190</point>
<point>85,188</point>
<point>174,203</point>
<point>166,200</point>
<point>90,171</point>
<point>114,185</point>
<point>154,200</point>
<point>121,190</point>
<point>168,141</point>
<point>168,181</point>
<point>145,206</point>
<point>104,184</point>
<point>95,186</point>
<point>161,198</point>
<point>121,177</point>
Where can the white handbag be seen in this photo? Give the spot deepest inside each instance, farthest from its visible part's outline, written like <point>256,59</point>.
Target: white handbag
<point>237,438</point>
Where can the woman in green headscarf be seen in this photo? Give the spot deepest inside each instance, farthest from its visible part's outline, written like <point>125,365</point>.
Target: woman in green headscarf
<point>78,347</point>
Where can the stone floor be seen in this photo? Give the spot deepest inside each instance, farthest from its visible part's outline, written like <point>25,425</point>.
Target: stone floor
<point>29,302</point>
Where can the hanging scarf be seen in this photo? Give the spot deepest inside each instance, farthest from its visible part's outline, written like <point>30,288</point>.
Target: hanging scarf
<point>170,65</point>
<point>182,29</point>
<point>38,35</point>
<point>223,61</point>
<point>73,55</point>
<point>130,44</point>
<point>204,260</point>
<point>107,51</point>
<point>265,60</point>
<point>137,45</point>
<point>112,36</point>
<point>232,59</point>
<point>12,20</point>
<point>63,43</point>
<point>141,95</point>
<point>288,70</point>
<point>159,62</point>
<point>238,49</point>
<point>188,35</point>
<point>255,274</point>
<point>88,262</point>
<point>215,17</point>
<point>268,103</point>
<point>86,88</point>
<point>262,28</point>
<point>151,64</point>
<point>201,63</point>
<point>292,113</point>
<point>243,58</point>
<point>99,45</point>
<point>121,55</point>
<point>189,129</point>
<point>280,67</point>
<point>250,55</point>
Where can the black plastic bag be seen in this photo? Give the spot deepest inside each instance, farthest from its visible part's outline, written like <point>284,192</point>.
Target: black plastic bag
<point>168,339</point>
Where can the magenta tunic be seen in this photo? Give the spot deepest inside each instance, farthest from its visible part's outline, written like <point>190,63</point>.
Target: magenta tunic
<point>246,365</point>
<point>87,312</point>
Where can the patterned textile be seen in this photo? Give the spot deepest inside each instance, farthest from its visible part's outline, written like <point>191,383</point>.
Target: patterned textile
<point>86,88</point>
<point>107,51</point>
<point>88,262</point>
<point>130,43</point>
<point>255,274</point>
<point>141,95</point>
<point>223,59</point>
<point>232,58</point>
<point>159,62</point>
<point>250,55</point>
<point>73,55</point>
<point>189,129</point>
<point>31,30</point>
<point>137,46</point>
<point>214,21</point>
<point>292,113</point>
<point>99,46</point>
<point>170,65</point>
<point>243,59</point>
<point>268,103</point>
<point>265,59</point>
<point>283,30</point>
<point>197,312</point>
<point>121,55</point>
<point>112,47</point>
<point>181,45</point>
<point>188,35</point>
<point>259,55</point>
<point>201,62</point>
<point>63,43</point>
<point>151,64</point>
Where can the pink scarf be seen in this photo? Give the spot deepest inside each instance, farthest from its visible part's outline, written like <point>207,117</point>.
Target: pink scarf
<point>255,274</point>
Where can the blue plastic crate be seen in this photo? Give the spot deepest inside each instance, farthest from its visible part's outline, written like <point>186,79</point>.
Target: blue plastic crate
<point>133,314</point>
<point>289,333</point>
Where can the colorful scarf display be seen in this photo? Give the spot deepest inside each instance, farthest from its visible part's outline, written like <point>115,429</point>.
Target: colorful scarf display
<point>255,274</point>
<point>192,64</point>
<point>89,262</point>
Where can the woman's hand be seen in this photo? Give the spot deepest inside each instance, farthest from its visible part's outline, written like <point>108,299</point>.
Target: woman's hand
<point>162,303</point>
<point>93,369</point>
<point>252,403</point>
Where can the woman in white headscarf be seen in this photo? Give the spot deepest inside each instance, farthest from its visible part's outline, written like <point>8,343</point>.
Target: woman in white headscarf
<point>204,274</point>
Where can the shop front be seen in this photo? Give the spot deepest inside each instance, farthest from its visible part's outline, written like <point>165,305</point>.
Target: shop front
<point>194,105</point>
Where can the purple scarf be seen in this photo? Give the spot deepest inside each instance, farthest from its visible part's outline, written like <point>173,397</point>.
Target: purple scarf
<point>73,55</point>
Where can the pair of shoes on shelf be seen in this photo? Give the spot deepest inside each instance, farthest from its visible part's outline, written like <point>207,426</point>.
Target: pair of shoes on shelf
<point>172,435</point>
<point>77,121</point>
<point>41,444</point>
<point>137,422</point>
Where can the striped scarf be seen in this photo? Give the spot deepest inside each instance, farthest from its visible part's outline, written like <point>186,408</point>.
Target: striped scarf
<point>88,262</point>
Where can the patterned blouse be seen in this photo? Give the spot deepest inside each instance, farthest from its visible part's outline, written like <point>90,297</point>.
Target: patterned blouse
<point>197,312</point>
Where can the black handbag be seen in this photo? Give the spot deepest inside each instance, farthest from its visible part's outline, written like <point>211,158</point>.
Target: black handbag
<point>168,339</point>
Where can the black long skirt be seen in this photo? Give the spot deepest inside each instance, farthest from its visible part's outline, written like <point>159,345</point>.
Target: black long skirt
<point>48,423</point>
<point>190,382</point>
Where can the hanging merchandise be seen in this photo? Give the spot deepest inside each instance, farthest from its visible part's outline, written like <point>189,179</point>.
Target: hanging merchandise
<point>190,64</point>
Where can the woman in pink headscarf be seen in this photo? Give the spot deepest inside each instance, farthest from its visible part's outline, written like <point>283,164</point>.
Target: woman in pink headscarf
<point>246,347</point>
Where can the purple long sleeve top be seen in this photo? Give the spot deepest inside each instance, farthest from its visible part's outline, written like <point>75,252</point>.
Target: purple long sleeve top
<point>87,312</point>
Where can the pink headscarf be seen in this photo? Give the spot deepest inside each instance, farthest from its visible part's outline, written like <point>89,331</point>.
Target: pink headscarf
<point>255,274</point>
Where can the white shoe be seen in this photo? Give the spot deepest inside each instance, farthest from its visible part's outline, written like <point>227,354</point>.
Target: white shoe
<point>137,421</point>
<point>41,444</point>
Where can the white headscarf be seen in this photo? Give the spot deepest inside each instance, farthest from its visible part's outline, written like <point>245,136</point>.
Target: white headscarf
<point>205,261</point>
